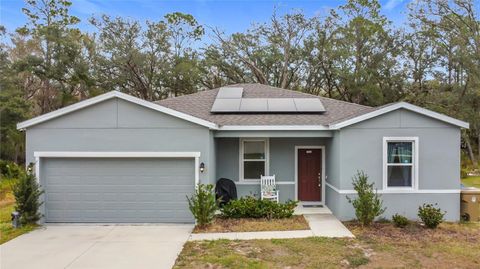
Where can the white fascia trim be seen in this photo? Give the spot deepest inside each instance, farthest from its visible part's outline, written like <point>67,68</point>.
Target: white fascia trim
<point>114,154</point>
<point>425,191</point>
<point>273,128</point>
<point>396,106</point>
<point>109,95</point>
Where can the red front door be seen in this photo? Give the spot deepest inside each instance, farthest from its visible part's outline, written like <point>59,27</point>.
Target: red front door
<point>309,175</point>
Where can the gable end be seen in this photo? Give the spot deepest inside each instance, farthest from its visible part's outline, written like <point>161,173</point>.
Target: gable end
<point>113,94</point>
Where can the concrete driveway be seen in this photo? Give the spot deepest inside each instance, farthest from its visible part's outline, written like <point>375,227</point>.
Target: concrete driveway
<point>96,246</point>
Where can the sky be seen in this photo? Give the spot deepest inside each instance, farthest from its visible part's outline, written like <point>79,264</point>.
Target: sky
<point>228,15</point>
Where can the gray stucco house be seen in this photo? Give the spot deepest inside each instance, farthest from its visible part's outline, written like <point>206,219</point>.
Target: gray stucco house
<point>117,158</point>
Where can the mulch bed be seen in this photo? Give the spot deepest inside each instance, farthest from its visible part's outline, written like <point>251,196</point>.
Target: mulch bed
<point>224,225</point>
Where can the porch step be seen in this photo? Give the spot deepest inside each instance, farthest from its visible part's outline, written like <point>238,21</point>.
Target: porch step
<point>307,210</point>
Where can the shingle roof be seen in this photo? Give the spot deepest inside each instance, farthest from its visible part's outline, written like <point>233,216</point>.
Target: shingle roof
<point>199,105</point>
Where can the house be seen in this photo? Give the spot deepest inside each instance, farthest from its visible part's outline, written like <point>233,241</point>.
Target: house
<point>117,158</point>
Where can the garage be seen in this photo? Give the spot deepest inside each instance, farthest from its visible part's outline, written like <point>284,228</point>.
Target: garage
<point>120,189</point>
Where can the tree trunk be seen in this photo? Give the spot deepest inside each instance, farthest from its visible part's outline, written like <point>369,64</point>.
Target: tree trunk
<point>478,147</point>
<point>470,150</point>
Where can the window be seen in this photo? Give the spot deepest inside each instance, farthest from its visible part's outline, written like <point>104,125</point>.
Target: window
<point>400,162</point>
<point>253,158</point>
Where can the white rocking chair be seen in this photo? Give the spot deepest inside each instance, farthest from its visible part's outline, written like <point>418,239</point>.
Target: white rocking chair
<point>268,188</point>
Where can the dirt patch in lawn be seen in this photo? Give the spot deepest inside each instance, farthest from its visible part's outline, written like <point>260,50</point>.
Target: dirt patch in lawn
<point>313,252</point>
<point>221,225</point>
<point>452,245</point>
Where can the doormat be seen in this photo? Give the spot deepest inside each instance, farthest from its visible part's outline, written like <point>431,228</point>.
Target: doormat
<point>312,205</point>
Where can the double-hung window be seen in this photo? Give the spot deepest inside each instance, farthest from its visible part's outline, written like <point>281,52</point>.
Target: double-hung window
<point>400,165</point>
<point>253,158</point>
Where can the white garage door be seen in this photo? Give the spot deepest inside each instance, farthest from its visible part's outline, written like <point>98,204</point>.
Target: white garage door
<point>129,190</point>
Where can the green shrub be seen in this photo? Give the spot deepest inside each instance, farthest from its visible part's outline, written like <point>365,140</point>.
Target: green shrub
<point>430,215</point>
<point>368,204</point>
<point>250,207</point>
<point>400,221</point>
<point>10,170</point>
<point>463,173</point>
<point>203,204</point>
<point>27,195</point>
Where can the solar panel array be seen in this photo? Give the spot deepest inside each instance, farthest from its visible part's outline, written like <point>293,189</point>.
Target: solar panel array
<point>230,100</point>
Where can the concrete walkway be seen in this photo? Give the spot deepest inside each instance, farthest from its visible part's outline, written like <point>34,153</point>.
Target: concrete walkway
<point>322,225</point>
<point>96,246</point>
<point>327,225</point>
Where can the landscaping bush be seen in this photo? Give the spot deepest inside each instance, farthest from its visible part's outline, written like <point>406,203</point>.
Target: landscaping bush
<point>250,207</point>
<point>9,170</point>
<point>430,215</point>
<point>27,193</point>
<point>400,221</point>
<point>368,204</point>
<point>203,204</point>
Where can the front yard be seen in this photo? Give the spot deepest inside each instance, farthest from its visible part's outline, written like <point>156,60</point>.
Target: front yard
<point>472,181</point>
<point>7,204</point>
<point>382,245</point>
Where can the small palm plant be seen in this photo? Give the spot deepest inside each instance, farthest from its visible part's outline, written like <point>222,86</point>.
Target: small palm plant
<point>203,204</point>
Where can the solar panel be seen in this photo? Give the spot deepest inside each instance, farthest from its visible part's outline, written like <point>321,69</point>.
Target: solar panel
<point>230,92</point>
<point>308,105</point>
<point>229,100</point>
<point>226,105</point>
<point>254,105</point>
<point>281,105</point>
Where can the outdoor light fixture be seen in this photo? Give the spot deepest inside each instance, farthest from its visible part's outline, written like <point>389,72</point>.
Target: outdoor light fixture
<point>30,167</point>
<point>202,167</point>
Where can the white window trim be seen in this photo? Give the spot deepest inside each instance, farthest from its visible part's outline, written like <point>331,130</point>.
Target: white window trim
<point>241,160</point>
<point>415,165</point>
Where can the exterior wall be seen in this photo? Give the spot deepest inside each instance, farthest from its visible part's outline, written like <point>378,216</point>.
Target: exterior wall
<point>361,148</point>
<point>282,163</point>
<point>333,159</point>
<point>402,203</point>
<point>118,125</point>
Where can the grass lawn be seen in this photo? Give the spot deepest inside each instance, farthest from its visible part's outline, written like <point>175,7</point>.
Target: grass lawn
<point>472,181</point>
<point>383,245</point>
<point>7,204</point>
<point>254,225</point>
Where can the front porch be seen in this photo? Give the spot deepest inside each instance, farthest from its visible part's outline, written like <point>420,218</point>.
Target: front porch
<point>300,164</point>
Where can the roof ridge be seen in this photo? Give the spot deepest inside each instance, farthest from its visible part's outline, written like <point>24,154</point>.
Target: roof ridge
<point>304,93</point>
<point>185,95</point>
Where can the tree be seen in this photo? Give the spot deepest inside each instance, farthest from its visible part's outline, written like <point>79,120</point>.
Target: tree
<point>151,63</point>
<point>267,53</point>
<point>354,56</point>
<point>453,29</point>
<point>184,73</point>
<point>128,59</point>
<point>14,107</point>
<point>27,195</point>
<point>57,64</point>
